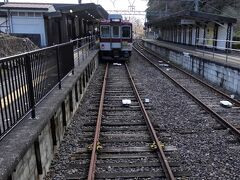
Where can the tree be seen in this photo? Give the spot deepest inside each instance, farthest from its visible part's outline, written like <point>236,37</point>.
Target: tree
<point>230,8</point>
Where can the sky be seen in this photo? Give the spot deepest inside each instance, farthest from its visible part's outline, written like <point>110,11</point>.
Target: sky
<point>140,5</point>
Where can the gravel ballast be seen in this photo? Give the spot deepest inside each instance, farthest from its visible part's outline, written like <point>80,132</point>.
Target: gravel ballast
<point>206,150</point>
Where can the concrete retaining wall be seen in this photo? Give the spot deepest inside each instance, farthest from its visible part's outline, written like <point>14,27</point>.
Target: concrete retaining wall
<point>34,151</point>
<point>222,75</point>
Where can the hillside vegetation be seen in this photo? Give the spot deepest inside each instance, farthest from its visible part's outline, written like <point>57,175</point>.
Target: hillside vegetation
<point>230,8</point>
<point>11,45</point>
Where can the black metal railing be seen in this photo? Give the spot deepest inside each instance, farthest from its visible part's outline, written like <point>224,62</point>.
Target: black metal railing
<point>27,78</point>
<point>82,48</point>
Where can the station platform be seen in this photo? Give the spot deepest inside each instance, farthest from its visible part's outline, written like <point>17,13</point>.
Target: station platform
<point>231,59</point>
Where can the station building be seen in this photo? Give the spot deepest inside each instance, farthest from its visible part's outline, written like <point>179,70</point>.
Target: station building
<point>194,28</point>
<point>49,24</point>
<point>3,16</point>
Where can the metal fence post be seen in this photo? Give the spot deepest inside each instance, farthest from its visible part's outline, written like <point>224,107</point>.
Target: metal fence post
<point>88,45</point>
<point>227,49</point>
<point>78,51</point>
<point>58,68</point>
<point>30,84</point>
<point>227,55</point>
<point>73,56</point>
<point>213,48</point>
<point>85,48</point>
<point>203,47</point>
<point>82,43</point>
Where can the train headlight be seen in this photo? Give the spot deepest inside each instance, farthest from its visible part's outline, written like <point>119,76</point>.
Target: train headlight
<point>102,46</point>
<point>124,43</point>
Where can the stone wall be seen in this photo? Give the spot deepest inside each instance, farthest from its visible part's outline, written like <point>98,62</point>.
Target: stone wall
<point>222,75</point>
<point>33,160</point>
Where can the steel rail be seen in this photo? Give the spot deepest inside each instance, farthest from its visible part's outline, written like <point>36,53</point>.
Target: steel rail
<point>195,78</point>
<point>164,162</point>
<point>92,167</point>
<point>218,117</point>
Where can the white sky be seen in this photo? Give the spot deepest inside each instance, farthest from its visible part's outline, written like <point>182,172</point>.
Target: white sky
<point>140,5</point>
<point>107,4</point>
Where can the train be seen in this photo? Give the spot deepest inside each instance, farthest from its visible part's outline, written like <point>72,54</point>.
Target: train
<point>115,38</point>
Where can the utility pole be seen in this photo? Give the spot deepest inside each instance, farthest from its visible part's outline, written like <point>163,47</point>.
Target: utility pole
<point>131,6</point>
<point>196,2</point>
<point>113,2</point>
<point>166,7</point>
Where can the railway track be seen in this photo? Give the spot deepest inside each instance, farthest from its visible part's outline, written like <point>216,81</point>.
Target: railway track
<point>204,149</point>
<point>125,144</point>
<point>204,94</point>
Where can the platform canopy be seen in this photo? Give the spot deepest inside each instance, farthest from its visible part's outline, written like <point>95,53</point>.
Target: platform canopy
<point>88,11</point>
<point>188,18</point>
<point>25,6</point>
<point>3,14</point>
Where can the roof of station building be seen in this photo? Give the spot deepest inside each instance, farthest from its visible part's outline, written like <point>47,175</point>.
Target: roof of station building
<point>107,22</point>
<point>88,11</point>
<point>35,6</point>
<point>175,19</point>
<point>2,14</point>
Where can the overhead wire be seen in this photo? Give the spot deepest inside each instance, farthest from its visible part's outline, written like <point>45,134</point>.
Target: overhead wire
<point>224,13</point>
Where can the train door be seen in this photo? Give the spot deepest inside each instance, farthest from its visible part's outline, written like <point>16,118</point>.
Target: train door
<point>116,40</point>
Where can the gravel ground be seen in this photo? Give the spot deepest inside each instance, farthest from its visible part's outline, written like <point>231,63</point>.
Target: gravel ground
<point>207,151</point>
<point>73,136</point>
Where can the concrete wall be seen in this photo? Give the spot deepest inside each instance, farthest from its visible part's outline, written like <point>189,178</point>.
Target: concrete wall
<point>34,154</point>
<point>29,25</point>
<point>27,166</point>
<point>222,75</point>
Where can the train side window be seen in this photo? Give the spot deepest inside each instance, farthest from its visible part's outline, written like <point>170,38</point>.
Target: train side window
<point>126,31</point>
<point>115,31</point>
<point>105,31</point>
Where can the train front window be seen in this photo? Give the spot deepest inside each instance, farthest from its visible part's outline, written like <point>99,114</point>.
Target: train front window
<point>105,31</point>
<point>126,32</point>
<point>115,31</point>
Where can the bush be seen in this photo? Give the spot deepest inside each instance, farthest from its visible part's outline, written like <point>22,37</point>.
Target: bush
<point>236,46</point>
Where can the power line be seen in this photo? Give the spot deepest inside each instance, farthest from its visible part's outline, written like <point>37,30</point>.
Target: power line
<point>131,6</point>
<point>129,13</point>
<point>206,3</point>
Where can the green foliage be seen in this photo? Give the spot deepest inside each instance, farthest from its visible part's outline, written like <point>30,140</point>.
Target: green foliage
<point>230,8</point>
<point>237,34</point>
<point>223,7</point>
<point>236,46</point>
